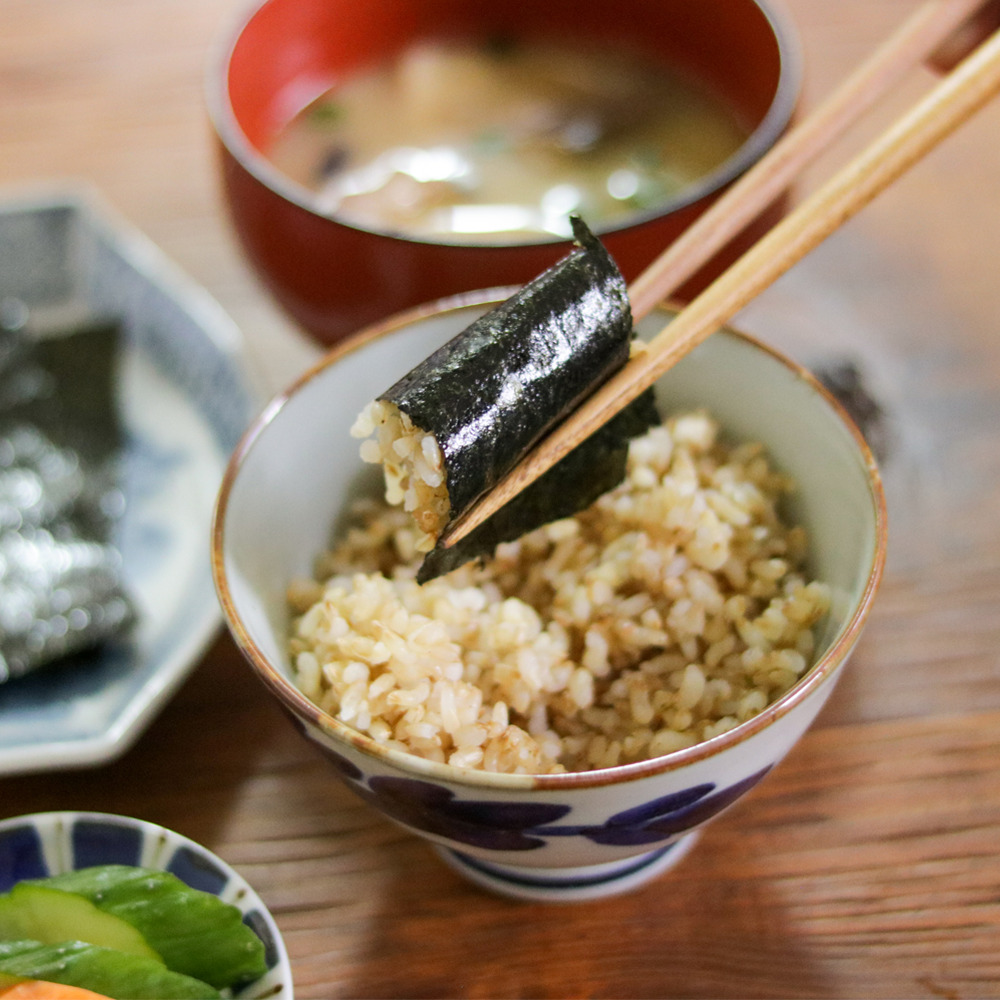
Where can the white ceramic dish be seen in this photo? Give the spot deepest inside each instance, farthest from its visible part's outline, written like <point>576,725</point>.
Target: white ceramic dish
<point>44,844</point>
<point>554,836</point>
<point>184,399</point>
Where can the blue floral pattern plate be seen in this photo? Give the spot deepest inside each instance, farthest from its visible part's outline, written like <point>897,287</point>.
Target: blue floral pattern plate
<point>46,844</point>
<point>184,398</point>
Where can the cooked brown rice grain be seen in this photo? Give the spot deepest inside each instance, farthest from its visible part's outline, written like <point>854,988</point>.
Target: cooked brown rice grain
<point>670,611</point>
<point>412,464</point>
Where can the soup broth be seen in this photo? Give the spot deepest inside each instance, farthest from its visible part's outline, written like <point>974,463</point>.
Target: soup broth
<point>462,141</point>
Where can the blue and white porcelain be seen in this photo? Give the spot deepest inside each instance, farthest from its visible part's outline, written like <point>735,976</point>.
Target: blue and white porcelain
<point>184,398</point>
<point>53,843</point>
<point>562,836</point>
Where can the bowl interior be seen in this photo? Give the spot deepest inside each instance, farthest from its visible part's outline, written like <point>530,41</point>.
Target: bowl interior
<point>298,466</point>
<point>288,52</point>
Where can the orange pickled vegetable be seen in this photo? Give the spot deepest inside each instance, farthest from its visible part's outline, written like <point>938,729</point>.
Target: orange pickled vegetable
<point>38,989</point>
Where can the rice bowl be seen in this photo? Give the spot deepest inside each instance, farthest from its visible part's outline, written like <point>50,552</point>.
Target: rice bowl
<point>671,610</point>
<point>565,834</point>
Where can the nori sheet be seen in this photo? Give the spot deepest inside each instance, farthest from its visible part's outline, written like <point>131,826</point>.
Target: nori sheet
<point>497,388</point>
<point>61,589</point>
<point>595,466</point>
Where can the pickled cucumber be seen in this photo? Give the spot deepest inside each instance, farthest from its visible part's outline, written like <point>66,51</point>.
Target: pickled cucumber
<point>143,912</point>
<point>32,911</point>
<point>102,970</point>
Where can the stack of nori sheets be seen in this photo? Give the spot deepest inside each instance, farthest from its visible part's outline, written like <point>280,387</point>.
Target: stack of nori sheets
<point>60,574</point>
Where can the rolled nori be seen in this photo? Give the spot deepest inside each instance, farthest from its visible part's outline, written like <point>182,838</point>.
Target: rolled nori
<point>493,391</point>
<point>591,469</point>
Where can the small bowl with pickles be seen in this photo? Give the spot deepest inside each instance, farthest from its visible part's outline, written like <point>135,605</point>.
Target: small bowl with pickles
<point>110,906</point>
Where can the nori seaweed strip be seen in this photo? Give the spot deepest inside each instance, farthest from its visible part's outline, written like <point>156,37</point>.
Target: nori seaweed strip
<point>494,390</point>
<point>61,587</point>
<point>595,466</point>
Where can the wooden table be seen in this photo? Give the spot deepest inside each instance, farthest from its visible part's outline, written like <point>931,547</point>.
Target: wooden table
<point>868,865</point>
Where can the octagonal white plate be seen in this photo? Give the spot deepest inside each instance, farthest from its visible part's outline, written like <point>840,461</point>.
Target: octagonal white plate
<point>184,397</point>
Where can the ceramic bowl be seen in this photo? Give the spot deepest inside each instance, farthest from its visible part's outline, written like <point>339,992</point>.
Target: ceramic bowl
<point>334,278</point>
<point>53,843</point>
<point>560,836</point>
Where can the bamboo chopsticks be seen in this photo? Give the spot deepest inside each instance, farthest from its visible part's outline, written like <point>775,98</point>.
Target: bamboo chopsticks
<point>946,106</point>
<point>912,44</point>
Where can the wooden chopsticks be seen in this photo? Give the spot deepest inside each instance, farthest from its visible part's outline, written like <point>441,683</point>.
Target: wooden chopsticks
<point>912,44</point>
<point>947,105</point>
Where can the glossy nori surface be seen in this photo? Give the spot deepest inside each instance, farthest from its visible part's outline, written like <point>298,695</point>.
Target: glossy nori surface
<point>496,388</point>
<point>591,469</point>
<point>493,391</point>
<point>61,439</point>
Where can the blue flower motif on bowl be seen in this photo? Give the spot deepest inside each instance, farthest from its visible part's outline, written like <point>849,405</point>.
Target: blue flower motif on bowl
<point>497,826</point>
<point>664,817</point>
<point>526,826</point>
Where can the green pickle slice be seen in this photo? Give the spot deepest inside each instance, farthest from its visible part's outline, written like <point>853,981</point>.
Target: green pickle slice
<point>140,912</point>
<point>37,912</point>
<point>103,970</point>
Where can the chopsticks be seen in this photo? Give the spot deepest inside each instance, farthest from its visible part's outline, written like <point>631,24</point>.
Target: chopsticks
<point>932,119</point>
<point>913,43</point>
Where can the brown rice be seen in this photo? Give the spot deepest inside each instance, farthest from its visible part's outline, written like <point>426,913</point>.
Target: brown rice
<point>671,610</point>
<point>412,466</point>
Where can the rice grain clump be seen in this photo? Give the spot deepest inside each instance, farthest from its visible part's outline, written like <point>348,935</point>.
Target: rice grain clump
<point>669,611</point>
<point>412,464</point>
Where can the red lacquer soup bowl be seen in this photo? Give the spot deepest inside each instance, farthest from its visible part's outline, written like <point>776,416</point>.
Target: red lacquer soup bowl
<point>334,277</point>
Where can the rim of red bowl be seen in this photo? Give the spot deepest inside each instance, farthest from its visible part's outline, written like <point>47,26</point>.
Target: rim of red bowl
<point>293,699</point>
<point>777,118</point>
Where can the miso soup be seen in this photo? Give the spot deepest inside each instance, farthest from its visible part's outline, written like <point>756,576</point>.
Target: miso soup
<point>458,141</point>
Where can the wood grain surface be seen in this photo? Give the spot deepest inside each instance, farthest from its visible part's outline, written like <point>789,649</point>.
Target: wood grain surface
<point>868,864</point>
